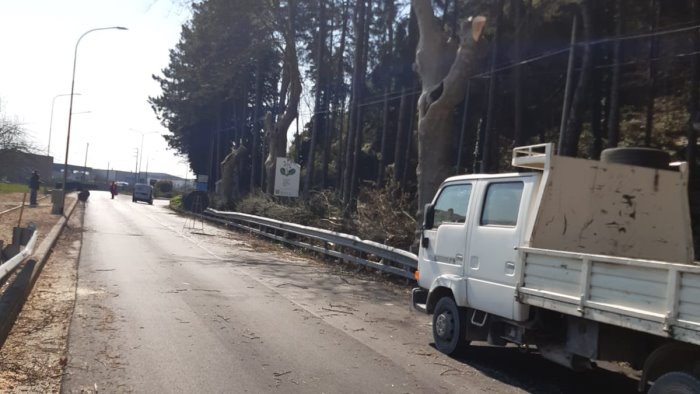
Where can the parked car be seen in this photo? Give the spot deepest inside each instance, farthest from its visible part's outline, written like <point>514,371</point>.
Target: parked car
<point>143,192</point>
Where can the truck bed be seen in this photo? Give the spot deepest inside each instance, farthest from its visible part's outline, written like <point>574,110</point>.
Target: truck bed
<point>655,297</point>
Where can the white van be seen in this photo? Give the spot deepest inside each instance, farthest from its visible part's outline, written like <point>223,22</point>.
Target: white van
<point>143,192</point>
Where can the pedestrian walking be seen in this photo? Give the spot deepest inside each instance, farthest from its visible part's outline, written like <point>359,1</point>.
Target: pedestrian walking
<point>113,189</point>
<point>34,183</point>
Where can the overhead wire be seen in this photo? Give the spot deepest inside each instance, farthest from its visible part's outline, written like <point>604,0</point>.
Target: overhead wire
<point>376,99</point>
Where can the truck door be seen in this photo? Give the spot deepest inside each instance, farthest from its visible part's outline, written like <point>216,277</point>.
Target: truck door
<point>443,254</point>
<point>492,255</point>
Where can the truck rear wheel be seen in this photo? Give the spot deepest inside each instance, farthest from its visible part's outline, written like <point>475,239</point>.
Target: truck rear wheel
<point>675,383</point>
<point>449,326</point>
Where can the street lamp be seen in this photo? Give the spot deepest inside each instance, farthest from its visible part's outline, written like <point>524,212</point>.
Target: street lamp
<point>70,111</point>
<point>53,102</point>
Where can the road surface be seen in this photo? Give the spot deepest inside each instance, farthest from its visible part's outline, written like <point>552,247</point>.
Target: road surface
<point>168,305</point>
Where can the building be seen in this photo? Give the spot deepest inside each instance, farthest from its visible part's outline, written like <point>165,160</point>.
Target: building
<point>17,167</point>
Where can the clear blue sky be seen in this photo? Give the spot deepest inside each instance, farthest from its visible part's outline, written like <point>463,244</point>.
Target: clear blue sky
<point>114,68</point>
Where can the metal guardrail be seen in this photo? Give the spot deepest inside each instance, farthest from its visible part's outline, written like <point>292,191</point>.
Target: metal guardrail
<point>12,296</point>
<point>330,243</point>
<point>18,255</point>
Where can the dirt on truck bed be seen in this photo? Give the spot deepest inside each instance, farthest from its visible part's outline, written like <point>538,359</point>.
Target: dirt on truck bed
<point>32,358</point>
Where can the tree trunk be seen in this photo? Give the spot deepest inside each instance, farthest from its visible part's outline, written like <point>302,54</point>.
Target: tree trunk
<point>400,136</point>
<point>407,107</point>
<point>489,162</point>
<point>694,104</point>
<point>596,116</point>
<point>339,99</point>
<point>410,134</point>
<point>651,72</point>
<point>255,151</point>
<point>382,148</point>
<point>276,132</point>
<point>319,111</point>
<point>355,100</point>
<point>359,132</point>
<point>444,69</point>
<point>518,137</point>
<point>328,100</point>
<point>614,107</point>
<point>575,120</point>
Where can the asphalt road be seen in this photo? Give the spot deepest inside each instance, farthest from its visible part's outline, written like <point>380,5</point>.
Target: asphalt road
<point>165,305</point>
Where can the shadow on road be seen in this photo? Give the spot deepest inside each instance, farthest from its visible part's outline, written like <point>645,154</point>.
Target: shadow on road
<point>532,373</point>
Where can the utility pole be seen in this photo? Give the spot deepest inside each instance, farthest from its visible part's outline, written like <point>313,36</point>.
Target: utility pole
<point>567,89</point>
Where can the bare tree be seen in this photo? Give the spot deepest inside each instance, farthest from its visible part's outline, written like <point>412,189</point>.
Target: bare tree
<point>12,135</point>
<point>276,132</point>
<point>444,67</point>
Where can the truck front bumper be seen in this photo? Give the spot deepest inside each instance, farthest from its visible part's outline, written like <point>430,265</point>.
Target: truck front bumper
<point>419,299</point>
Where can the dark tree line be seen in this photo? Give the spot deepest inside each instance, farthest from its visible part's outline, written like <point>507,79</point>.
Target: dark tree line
<point>375,113</point>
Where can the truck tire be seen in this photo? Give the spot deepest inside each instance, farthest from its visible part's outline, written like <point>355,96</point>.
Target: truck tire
<point>676,383</point>
<point>636,156</point>
<point>449,326</point>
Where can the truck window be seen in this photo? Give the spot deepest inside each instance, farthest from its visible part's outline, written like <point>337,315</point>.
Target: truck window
<point>451,205</point>
<point>502,204</point>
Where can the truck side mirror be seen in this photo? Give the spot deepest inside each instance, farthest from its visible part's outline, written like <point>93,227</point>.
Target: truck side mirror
<point>428,216</point>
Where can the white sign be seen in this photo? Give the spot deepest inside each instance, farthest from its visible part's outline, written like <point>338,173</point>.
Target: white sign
<point>287,176</point>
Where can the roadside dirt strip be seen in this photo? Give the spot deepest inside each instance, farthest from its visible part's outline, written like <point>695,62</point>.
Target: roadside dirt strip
<point>32,358</point>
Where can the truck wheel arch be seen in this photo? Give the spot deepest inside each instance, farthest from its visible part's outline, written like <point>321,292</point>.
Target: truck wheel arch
<point>435,295</point>
<point>670,357</point>
<point>447,286</point>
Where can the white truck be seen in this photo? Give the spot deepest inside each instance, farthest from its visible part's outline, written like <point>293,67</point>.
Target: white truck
<point>584,260</point>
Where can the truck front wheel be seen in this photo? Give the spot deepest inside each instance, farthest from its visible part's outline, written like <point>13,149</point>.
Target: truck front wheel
<point>675,383</point>
<point>449,326</point>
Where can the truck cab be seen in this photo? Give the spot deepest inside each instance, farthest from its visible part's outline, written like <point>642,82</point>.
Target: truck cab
<point>470,237</point>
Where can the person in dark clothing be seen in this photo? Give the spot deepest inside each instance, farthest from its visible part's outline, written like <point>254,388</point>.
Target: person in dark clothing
<point>113,189</point>
<point>34,183</point>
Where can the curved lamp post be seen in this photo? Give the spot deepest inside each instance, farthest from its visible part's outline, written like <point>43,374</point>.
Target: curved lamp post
<point>70,111</point>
